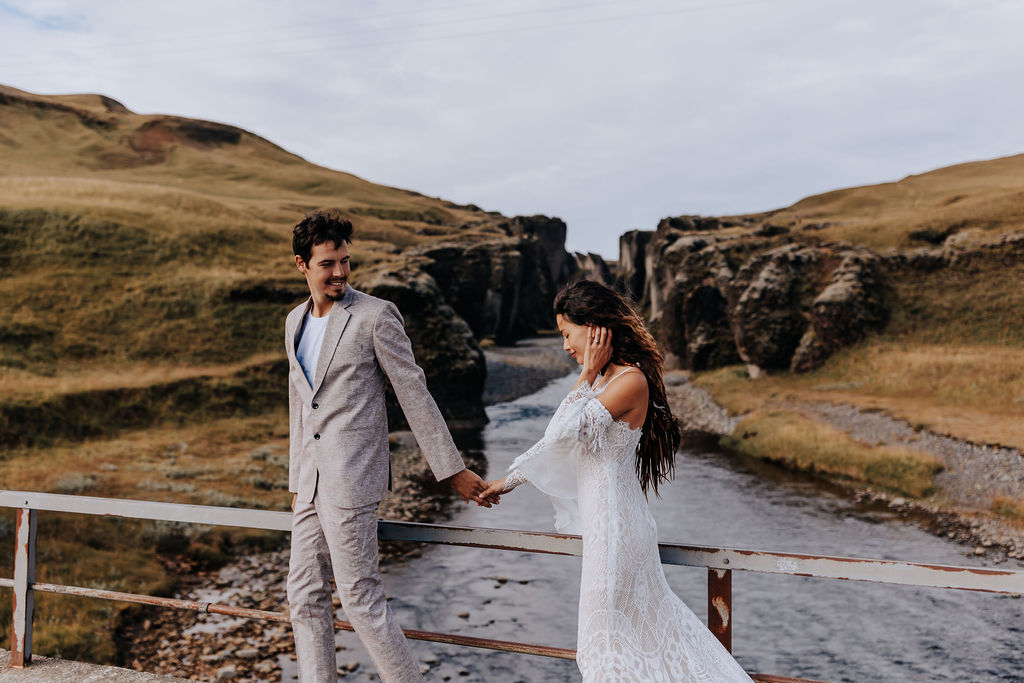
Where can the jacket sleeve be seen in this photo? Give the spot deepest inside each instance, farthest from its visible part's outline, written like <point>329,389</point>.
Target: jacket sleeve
<point>394,354</point>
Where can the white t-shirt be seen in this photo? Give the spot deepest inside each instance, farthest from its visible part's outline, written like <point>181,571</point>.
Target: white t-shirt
<point>310,340</point>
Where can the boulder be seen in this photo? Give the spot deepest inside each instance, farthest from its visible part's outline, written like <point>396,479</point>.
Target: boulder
<point>690,223</point>
<point>769,300</point>
<point>850,306</point>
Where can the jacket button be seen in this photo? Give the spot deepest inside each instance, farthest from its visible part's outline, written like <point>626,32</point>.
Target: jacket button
<point>315,406</point>
<point>316,436</point>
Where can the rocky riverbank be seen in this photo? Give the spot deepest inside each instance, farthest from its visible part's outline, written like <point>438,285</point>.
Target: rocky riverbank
<point>972,474</point>
<point>211,647</point>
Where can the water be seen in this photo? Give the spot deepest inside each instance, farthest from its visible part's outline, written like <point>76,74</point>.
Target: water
<point>791,626</point>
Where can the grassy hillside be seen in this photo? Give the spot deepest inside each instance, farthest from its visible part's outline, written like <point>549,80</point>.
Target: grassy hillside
<point>980,198</point>
<point>145,272</point>
<point>121,232</point>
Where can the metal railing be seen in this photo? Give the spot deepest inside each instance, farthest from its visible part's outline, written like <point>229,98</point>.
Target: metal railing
<point>719,562</point>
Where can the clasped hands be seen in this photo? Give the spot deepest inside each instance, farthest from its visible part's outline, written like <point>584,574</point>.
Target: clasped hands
<point>471,487</point>
<point>596,356</point>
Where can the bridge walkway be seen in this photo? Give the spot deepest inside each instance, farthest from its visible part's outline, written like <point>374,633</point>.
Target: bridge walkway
<point>49,670</point>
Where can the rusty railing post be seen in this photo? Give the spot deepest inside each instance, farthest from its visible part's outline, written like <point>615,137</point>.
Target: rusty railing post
<point>24,577</point>
<point>720,605</point>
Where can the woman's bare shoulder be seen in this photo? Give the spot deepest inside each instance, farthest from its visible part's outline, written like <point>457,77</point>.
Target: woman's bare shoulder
<point>625,392</point>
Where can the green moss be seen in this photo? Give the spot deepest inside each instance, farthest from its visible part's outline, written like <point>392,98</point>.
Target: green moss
<point>800,443</point>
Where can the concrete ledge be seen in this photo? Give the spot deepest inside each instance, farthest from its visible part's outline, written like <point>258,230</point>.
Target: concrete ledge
<point>47,670</point>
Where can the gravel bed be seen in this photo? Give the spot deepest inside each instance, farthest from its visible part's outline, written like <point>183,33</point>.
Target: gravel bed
<point>973,473</point>
<point>695,408</point>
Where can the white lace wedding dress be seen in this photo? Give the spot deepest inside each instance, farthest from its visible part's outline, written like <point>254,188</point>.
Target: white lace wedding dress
<point>632,627</point>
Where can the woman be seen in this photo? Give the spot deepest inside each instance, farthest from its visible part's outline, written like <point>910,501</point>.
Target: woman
<point>611,440</point>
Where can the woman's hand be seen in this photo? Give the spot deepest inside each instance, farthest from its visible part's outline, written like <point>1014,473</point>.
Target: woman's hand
<point>597,353</point>
<point>494,488</point>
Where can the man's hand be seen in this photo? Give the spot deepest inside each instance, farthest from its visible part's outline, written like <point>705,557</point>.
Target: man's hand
<point>470,486</point>
<point>295,497</point>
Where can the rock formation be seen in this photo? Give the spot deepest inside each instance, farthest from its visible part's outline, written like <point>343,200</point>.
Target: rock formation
<point>632,266</point>
<point>755,296</point>
<point>455,293</point>
<point>550,233</point>
<point>442,343</point>
<point>591,266</point>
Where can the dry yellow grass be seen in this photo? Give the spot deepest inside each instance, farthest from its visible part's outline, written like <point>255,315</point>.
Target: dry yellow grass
<point>973,393</point>
<point>19,385</point>
<point>800,443</point>
<point>130,239</point>
<point>240,460</point>
<point>234,462</point>
<point>986,196</point>
<point>1009,509</point>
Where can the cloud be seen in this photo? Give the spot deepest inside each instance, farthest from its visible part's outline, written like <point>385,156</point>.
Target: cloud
<point>609,115</point>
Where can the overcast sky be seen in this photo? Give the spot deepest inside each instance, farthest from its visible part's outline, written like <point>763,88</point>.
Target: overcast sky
<point>610,115</point>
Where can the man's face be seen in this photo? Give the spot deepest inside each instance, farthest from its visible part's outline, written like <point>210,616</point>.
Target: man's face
<point>326,273</point>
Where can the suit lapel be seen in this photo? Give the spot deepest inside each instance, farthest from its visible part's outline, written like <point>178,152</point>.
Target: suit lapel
<point>291,344</point>
<point>332,335</point>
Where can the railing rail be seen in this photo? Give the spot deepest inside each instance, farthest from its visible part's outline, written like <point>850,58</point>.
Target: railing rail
<point>720,562</point>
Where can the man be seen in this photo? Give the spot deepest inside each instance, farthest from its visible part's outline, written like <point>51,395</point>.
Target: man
<point>341,344</point>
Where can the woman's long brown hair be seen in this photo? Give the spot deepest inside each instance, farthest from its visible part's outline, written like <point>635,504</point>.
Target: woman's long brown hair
<point>591,303</point>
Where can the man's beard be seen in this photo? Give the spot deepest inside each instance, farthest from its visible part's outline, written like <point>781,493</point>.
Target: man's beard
<point>336,296</point>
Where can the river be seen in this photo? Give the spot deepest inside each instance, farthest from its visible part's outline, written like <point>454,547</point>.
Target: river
<point>784,625</point>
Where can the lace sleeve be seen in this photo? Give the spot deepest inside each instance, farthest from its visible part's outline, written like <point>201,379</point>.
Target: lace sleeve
<point>551,467</point>
<point>578,425</point>
<point>581,418</point>
<point>513,480</point>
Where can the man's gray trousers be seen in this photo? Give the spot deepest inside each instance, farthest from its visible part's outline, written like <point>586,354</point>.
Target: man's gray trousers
<point>326,536</point>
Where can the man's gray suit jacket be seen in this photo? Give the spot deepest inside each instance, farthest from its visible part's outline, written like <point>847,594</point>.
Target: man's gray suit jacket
<point>338,427</point>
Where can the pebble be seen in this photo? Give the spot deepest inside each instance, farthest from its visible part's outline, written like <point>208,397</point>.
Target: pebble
<point>248,653</point>
<point>228,673</point>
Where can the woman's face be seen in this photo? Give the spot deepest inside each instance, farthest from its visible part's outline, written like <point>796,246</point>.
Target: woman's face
<point>574,337</point>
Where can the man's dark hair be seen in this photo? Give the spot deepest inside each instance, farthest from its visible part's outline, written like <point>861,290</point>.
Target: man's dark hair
<point>319,227</point>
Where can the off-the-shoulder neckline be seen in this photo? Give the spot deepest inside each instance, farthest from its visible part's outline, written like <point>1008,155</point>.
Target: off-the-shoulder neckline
<point>623,423</point>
